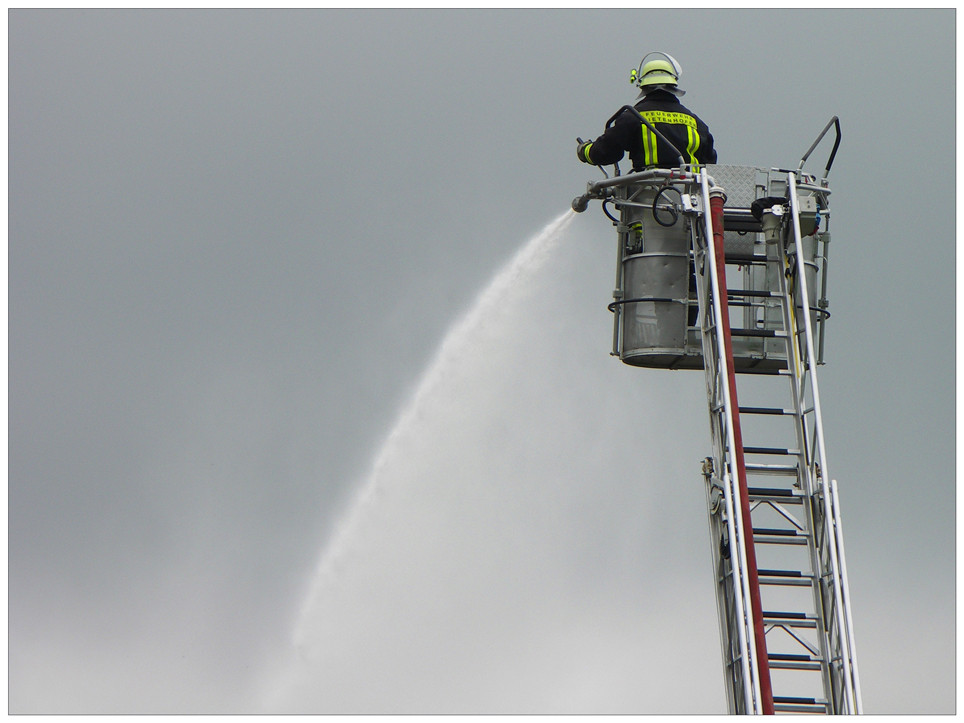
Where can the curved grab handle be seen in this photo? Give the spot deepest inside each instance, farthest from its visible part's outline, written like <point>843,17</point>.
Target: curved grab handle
<point>835,121</point>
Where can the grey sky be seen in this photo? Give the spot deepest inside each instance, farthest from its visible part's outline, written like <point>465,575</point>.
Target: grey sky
<point>236,239</point>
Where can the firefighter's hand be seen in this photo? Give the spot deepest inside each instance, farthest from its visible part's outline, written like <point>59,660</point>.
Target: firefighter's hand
<point>581,150</point>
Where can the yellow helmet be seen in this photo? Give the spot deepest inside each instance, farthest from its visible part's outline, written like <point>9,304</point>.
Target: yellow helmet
<point>657,68</point>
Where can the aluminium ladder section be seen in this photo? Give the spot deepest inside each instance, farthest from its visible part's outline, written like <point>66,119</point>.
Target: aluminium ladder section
<point>747,686</point>
<point>807,660</point>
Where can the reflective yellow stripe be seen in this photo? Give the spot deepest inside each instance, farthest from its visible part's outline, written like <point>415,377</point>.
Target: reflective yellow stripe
<point>585,152</point>
<point>663,116</point>
<point>650,141</point>
<point>692,145</point>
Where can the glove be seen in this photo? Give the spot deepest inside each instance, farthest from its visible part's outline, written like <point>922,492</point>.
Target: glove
<point>582,149</point>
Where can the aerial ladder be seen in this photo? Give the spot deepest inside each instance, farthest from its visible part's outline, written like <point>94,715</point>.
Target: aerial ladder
<point>724,268</point>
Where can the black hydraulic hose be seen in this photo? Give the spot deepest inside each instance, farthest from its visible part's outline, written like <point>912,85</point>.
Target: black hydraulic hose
<point>658,299</point>
<point>671,208</point>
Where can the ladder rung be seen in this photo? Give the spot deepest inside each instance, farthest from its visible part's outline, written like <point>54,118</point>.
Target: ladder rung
<point>744,259</point>
<point>788,657</point>
<point>770,450</point>
<point>792,665</point>
<point>761,495</point>
<point>776,411</point>
<point>780,469</point>
<point>792,578</point>
<point>765,539</point>
<point>772,614</point>
<point>788,704</point>
<point>765,371</point>
<point>766,333</point>
<point>770,492</point>
<point>815,708</point>
<point>780,573</point>
<point>794,662</point>
<point>793,619</point>
<point>776,532</point>
<point>755,293</point>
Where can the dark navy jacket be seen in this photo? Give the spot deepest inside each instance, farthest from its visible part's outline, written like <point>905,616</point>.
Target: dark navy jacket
<point>690,136</point>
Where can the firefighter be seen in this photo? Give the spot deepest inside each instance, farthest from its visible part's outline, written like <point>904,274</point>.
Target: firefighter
<point>657,78</point>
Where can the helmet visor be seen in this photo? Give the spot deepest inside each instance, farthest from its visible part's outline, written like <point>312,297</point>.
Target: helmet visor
<point>655,68</point>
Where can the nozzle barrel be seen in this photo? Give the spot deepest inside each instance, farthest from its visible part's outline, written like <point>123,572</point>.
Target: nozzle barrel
<point>580,204</point>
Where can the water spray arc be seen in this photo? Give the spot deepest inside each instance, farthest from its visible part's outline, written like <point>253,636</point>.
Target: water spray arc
<point>719,269</point>
<point>520,267</point>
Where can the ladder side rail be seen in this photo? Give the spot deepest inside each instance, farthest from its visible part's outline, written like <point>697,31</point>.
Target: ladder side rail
<point>826,598</point>
<point>735,627</point>
<point>817,547</point>
<point>810,355</point>
<point>825,601</point>
<point>811,428</point>
<point>855,676</point>
<point>844,639</point>
<point>740,683</point>
<point>738,582</point>
<point>819,442</point>
<point>823,302</point>
<point>737,541</point>
<point>799,385</point>
<point>719,576</point>
<point>618,293</point>
<point>718,520</point>
<point>735,621</point>
<point>726,445</point>
<point>749,311</point>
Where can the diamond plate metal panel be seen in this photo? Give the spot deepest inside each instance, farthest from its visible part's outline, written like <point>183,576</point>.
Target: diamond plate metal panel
<point>739,182</point>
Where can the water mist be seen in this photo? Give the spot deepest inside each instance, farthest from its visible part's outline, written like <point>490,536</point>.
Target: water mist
<point>514,533</point>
